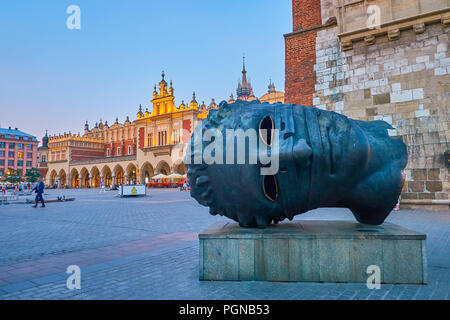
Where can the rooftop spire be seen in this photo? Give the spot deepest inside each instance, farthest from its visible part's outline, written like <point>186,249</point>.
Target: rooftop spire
<point>244,73</point>
<point>271,86</point>
<point>244,88</point>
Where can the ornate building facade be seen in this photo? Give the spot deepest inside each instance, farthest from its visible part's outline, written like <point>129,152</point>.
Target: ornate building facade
<point>128,152</point>
<point>380,60</point>
<point>18,151</point>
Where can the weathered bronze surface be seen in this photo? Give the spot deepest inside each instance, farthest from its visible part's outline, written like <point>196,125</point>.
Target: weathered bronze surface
<point>325,160</point>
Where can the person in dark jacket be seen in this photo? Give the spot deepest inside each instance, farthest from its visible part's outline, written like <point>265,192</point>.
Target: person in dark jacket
<point>39,189</point>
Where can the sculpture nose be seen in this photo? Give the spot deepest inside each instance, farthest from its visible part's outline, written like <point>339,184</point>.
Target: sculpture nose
<point>302,153</point>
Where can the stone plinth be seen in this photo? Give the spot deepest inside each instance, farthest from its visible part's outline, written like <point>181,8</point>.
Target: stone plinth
<point>312,251</point>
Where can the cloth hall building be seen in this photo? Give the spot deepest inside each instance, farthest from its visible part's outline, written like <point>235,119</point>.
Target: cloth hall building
<point>128,152</point>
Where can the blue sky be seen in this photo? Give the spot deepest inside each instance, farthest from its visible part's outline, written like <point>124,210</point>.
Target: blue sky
<point>55,78</point>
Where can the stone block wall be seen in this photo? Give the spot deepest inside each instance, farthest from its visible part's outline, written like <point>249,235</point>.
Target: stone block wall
<point>403,80</point>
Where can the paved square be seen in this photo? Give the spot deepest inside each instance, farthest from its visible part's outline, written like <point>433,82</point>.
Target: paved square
<point>147,248</point>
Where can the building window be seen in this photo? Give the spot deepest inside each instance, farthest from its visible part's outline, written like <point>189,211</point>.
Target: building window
<point>118,151</point>
<point>10,154</point>
<point>20,163</point>
<point>108,152</point>
<point>29,147</point>
<point>29,164</point>
<point>129,150</point>
<point>12,145</point>
<point>44,158</point>
<point>2,153</point>
<point>150,140</point>
<point>20,154</point>
<point>11,163</point>
<point>29,155</point>
<point>2,162</point>
<point>20,146</point>
<point>176,136</point>
<point>2,145</point>
<point>162,138</point>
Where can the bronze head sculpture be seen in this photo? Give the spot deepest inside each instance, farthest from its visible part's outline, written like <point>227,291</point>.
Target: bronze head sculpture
<point>313,158</point>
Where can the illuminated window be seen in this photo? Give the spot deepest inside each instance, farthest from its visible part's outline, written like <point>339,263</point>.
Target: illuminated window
<point>20,154</point>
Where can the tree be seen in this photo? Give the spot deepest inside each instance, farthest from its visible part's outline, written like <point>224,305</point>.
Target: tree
<point>32,175</point>
<point>13,176</point>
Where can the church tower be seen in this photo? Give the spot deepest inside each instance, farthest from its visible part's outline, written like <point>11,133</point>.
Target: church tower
<point>244,90</point>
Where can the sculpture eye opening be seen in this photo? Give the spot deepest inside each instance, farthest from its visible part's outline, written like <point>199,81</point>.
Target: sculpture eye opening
<point>266,128</point>
<point>270,187</point>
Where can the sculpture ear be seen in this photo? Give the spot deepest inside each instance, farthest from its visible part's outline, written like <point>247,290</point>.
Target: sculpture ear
<point>224,110</point>
<point>223,105</point>
<point>213,119</point>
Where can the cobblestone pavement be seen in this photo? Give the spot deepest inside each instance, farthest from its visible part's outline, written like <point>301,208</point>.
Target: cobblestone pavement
<point>147,248</point>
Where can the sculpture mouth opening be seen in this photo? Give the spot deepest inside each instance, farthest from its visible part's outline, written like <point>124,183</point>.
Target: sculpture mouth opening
<point>270,188</point>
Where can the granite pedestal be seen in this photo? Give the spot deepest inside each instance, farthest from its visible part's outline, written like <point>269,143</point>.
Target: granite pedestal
<point>312,251</point>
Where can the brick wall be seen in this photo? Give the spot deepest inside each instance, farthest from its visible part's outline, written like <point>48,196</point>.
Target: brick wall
<point>300,52</point>
<point>187,130</point>
<point>83,155</point>
<point>141,138</point>
<point>123,148</point>
<point>306,14</point>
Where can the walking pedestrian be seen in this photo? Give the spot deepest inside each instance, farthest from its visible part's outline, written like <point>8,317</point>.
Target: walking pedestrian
<point>39,189</point>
